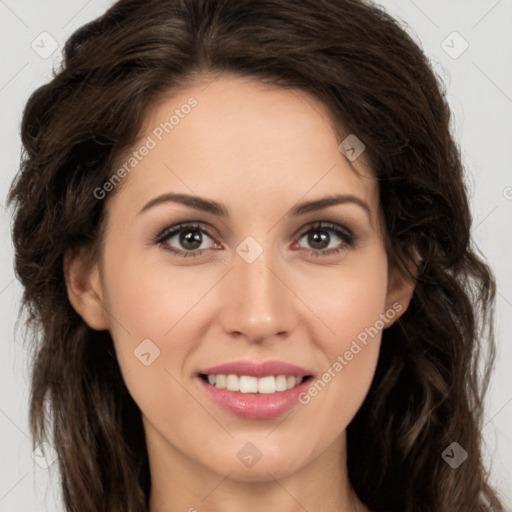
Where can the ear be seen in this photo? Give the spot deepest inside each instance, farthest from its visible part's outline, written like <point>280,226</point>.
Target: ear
<point>84,288</point>
<point>401,287</point>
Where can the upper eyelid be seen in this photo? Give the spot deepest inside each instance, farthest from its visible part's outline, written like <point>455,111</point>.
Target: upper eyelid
<point>324,224</point>
<point>176,228</point>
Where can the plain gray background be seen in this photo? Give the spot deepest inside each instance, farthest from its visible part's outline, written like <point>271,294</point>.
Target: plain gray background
<point>470,45</point>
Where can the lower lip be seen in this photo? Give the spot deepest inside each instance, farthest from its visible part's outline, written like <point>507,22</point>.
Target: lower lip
<point>256,406</point>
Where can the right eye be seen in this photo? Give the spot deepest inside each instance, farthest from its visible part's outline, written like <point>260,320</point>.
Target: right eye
<point>185,239</point>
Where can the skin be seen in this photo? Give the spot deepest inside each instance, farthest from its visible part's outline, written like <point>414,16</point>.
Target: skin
<point>258,150</point>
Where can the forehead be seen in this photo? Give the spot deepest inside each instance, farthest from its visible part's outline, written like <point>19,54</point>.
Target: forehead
<point>246,143</point>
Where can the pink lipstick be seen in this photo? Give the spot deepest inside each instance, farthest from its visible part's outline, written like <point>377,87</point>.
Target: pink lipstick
<point>255,390</point>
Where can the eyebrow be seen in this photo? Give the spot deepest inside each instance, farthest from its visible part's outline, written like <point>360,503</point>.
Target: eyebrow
<point>210,206</point>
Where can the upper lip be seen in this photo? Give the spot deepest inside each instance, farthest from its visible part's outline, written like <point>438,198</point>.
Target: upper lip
<point>257,369</point>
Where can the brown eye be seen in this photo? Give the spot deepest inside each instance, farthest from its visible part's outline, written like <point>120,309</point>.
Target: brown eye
<point>327,239</point>
<point>317,239</point>
<point>185,240</point>
<point>190,239</point>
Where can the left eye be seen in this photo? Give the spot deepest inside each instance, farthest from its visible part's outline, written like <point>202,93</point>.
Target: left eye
<point>321,234</point>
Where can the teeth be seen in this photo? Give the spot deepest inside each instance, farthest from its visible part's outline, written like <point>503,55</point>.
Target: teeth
<point>220,381</point>
<point>267,385</point>
<point>281,383</point>
<point>248,384</point>
<point>232,383</point>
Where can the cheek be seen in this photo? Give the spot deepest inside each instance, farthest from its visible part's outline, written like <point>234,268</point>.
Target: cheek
<point>147,294</point>
<point>152,335</point>
<point>156,311</point>
<point>349,302</point>
<point>145,305</point>
<point>352,313</point>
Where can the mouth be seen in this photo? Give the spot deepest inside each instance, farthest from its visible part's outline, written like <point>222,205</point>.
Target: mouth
<point>255,390</point>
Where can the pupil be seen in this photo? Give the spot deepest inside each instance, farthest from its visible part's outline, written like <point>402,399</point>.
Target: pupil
<point>318,238</point>
<point>193,238</point>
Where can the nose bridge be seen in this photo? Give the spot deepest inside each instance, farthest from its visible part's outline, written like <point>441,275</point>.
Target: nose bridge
<point>259,304</point>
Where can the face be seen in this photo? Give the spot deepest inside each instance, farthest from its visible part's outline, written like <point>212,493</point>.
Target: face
<point>258,283</point>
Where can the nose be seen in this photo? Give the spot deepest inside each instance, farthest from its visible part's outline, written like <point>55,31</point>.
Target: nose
<point>259,303</point>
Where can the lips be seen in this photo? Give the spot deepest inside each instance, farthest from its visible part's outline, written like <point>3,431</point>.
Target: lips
<point>255,390</point>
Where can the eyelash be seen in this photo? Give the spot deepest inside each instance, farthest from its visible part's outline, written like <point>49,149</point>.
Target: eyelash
<point>349,240</point>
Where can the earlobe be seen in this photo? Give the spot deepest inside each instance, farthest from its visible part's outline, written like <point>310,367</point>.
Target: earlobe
<point>84,288</point>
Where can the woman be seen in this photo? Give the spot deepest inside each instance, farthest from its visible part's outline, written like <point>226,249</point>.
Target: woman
<point>243,232</point>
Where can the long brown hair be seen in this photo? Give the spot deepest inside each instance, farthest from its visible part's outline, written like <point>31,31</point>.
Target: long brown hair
<point>353,56</point>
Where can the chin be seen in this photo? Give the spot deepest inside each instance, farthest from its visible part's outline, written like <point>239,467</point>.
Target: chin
<point>260,462</point>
